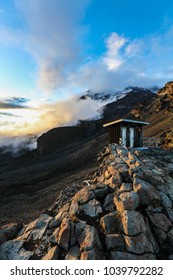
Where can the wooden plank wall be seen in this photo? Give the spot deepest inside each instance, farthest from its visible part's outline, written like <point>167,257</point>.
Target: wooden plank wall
<point>114,134</point>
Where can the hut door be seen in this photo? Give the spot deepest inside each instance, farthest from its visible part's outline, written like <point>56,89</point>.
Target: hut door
<point>132,137</point>
<point>124,137</point>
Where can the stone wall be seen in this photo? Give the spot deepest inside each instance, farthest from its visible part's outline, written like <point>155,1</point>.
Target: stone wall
<point>124,213</point>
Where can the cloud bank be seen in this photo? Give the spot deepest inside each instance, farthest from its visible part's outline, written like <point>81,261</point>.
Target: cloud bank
<point>56,40</point>
<point>13,103</point>
<point>54,37</point>
<point>143,62</point>
<point>48,115</point>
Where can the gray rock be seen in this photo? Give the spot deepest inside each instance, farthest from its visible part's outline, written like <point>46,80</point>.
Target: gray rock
<point>159,220</point>
<point>133,169</point>
<point>87,237</point>
<point>115,241</point>
<point>73,253</point>
<point>161,236</point>
<point>63,213</point>
<point>132,155</point>
<point>154,177</point>
<point>92,208</point>
<point>37,228</point>
<point>123,170</point>
<point>23,255</point>
<point>138,244</point>
<point>127,256</point>
<point>109,199</point>
<point>125,187</point>
<point>64,234</point>
<point>126,201</point>
<point>122,150</point>
<point>166,202</point>
<point>170,237</point>
<point>169,186</point>
<point>100,190</point>
<point>118,160</point>
<point>9,231</point>
<point>54,237</point>
<point>115,181</point>
<point>132,222</point>
<point>9,249</point>
<point>84,195</point>
<point>147,193</point>
<point>112,147</point>
<point>150,236</point>
<point>110,223</point>
<point>93,254</point>
<point>81,197</point>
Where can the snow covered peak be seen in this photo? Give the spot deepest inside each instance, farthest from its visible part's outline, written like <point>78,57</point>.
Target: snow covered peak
<point>106,97</point>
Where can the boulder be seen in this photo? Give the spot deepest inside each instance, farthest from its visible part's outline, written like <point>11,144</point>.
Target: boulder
<point>108,204</point>
<point>132,222</point>
<point>126,201</point>
<point>87,237</point>
<point>147,193</point>
<point>9,231</point>
<point>64,234</point>
<point>125,187</point>
<point>159,220</point>
<point>37,228</point>
<point>73,253</point>
<point>114,181</point>
<point>52,254</point>
<point>110,223</point>
<point>115,242</point>
<point>92,208</point>
<point>9,250</point>
<point>138,244</point>
<point>100,190</point>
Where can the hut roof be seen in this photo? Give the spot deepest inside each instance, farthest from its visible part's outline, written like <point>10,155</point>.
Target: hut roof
<point>125,120</point>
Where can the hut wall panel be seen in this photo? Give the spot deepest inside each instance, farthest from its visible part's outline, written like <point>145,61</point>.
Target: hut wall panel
<point>114,134</point>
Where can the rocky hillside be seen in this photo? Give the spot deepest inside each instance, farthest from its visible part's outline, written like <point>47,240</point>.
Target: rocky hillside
<point>124,212</point>
<point>158,111</point>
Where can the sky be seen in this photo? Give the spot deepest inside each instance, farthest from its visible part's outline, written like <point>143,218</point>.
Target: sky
<point>53,51</point>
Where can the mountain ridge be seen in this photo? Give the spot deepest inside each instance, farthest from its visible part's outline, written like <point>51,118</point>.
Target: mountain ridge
<point>111,97</point>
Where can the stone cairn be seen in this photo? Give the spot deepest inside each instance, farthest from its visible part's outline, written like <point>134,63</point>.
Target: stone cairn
<point>124,213</point>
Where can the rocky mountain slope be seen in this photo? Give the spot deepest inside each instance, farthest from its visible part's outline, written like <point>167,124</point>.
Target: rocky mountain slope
<point>158,111</point>
<point>123,212</point>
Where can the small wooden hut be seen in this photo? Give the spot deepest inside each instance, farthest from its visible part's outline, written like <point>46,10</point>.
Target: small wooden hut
<point>126,132</point>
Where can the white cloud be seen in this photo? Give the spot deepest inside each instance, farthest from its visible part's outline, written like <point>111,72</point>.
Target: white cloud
<point>52,37</point>
<point>47,115</point>
<point>113,58</point>
<point>141,62</point>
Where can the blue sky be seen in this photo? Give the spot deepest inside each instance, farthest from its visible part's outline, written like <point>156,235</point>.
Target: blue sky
<point>53,50</point>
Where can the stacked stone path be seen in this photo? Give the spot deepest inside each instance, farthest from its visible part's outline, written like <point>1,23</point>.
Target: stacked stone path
<point>124,213</point>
